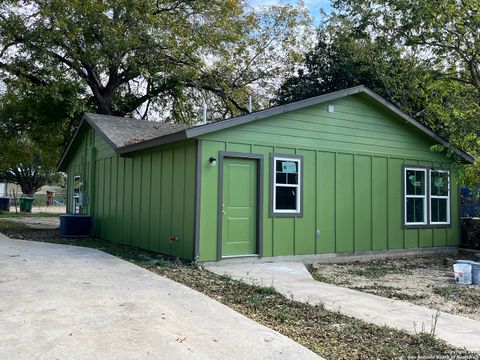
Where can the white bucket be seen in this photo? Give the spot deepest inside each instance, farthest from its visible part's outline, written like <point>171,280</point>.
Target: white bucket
<point>463,273</point>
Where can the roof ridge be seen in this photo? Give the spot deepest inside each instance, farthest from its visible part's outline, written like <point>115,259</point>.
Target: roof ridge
<point>171,132</point>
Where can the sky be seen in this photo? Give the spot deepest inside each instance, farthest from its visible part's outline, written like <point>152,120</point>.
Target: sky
<point>313,5</point>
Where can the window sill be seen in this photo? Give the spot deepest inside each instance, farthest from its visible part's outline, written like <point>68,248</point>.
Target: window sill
<point>426,226</point>
<point>285,215</point>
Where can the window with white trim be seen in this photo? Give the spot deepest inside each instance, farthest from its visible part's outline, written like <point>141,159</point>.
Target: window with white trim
<point>286,180</point>
<point>76,194</point>
<point>439,197</point>
<point>415,196</point>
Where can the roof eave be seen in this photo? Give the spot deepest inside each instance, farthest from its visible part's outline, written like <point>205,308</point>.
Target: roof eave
<point>85,118</point>
<point>225,124</point>
<point>60,163</point>
<point>101,133</point>
<point>464,155</point>
<point>163,140</point>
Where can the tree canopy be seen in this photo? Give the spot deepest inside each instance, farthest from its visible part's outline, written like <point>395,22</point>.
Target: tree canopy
<point>400,50</point>
<point>162,56</point>
<point>445,33</point>
<point>154,59</point>
<point>35,123</point>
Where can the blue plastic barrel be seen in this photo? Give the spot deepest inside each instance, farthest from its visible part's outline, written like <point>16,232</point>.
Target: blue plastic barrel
<point>72,225</point>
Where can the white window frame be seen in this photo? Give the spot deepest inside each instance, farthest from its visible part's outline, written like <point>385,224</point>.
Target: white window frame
<point>447,197</point>
<point>76,196</point>
<point>406,197</point>
<point>298,186</point>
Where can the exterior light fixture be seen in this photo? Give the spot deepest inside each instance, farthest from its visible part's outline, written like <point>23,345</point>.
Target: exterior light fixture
<point>213,161</point>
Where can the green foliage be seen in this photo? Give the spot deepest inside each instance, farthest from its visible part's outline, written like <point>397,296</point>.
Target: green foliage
<point>165,57</point>
<point>266,290</point>
<point>35,123</point>
<point>464,295</point>
<point>443,32</point>
<point>126,57</point>
<point>24,164</point>
<point>354,47</point>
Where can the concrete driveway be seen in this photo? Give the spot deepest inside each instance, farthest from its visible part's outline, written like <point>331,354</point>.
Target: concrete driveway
<point>65,302</point>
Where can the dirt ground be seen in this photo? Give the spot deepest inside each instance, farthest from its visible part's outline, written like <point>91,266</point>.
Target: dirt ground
<point>329,334</point>
<point>38,222</point>
<point>43,209</point>
<point>425,280</point>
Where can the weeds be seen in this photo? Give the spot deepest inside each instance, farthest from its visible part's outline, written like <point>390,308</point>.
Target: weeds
<point>266,290</point>
<point>428,336</point>
<point>331,335</point>
<point>465,295</point>
<point>373,272</point>
<point>388,291</point>
<point>422,280</point>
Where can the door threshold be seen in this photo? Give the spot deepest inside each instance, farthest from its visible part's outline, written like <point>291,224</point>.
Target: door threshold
<point>239,256</point>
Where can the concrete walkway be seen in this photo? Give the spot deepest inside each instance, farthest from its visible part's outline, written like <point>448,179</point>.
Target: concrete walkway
<point>294,281</point>
<point>65,302</point>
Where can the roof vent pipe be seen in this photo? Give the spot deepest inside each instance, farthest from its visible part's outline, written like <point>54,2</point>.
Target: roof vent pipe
<point>249,103</point>
<point>204,113</point>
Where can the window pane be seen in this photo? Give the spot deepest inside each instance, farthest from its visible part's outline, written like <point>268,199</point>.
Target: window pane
<point>415,210</point>
<point>439,210</point>
<point>281,178</point>
<point>287,166</point>
<point>292,178</point>
<point>434,210</point>
<point>278,166</point>
<point>439,183</point>
<point>442,210</point>
<point>415,182</point>
<point>286,198</point>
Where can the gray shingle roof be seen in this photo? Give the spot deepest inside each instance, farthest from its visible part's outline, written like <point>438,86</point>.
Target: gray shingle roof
<point>127,135</point>
<point>121,131</point>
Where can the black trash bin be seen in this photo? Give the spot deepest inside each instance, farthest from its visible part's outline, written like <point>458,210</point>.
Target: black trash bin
<point>4,204</point>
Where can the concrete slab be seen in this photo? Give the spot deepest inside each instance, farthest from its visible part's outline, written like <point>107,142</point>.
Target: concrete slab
<point>294,281</point>
<point>65,302</point>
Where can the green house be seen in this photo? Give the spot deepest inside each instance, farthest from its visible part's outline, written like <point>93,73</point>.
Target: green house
<point>345,172</point>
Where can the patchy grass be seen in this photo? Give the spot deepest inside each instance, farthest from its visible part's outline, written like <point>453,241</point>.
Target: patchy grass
<point>329,334</point>
<point>389,292</point>
<point>373,272</point>
<point>423,280</point>
<point>11,227</point>
<point>464,295</point>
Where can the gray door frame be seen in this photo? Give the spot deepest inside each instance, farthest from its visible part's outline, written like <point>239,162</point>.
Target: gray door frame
<point>259,230</point>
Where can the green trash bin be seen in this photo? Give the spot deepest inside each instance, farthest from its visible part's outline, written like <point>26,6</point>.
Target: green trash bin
<point>26,204</point>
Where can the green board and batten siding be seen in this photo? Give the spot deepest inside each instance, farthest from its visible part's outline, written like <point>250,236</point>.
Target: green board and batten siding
<point>353,191</point>
<point>352,183</point>
<point>141,200</point>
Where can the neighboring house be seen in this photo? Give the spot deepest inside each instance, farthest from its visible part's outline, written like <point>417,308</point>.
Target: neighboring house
<point>9,189</point>
<point>345,172</point>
